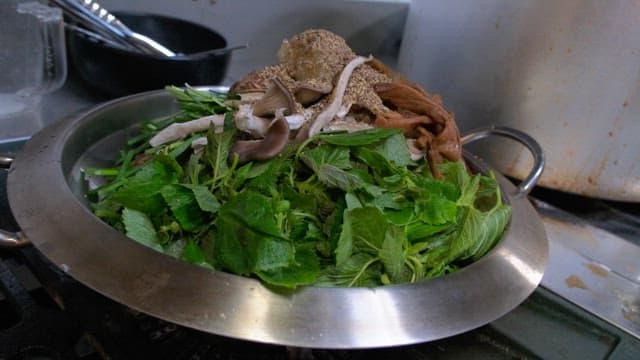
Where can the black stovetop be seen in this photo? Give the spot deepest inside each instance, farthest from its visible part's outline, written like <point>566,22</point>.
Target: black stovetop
<point>45,314</point>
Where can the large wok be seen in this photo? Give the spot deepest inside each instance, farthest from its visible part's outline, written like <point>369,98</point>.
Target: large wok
<point>45,191</point>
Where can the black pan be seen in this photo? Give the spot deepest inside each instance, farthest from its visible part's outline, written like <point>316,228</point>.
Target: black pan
<point>116,72</point>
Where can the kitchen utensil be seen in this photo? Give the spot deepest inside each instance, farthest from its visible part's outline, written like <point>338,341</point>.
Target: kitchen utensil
<point>95,17</point>
<point>565,72</point>
<point>32,63</point>
<point>115,72</point>
<point>94,36</point>
<point>100,38</point>
<point>55,216</point>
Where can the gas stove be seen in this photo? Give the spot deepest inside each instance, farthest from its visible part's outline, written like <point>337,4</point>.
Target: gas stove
<point>587,306</point>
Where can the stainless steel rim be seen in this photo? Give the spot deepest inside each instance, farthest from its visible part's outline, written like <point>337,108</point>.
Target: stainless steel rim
<point>41,188</point>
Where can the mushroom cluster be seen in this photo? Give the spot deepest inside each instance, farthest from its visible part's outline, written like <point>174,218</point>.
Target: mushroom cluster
<point>320,84</point>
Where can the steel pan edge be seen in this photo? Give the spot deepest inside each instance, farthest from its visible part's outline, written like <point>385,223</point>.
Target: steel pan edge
<point>100,257</point>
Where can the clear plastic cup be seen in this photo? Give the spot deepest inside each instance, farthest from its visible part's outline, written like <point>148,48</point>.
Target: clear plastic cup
<point>32,63</point>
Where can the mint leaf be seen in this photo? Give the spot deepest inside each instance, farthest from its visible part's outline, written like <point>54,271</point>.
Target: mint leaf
<point>205,198</point>
<point>244,250</point>
<point>387,200</point>
<point>193,168</point>
<point>269,253</point>
<point>303,270</point>
<point>267,175</point>
<point>193,254</point>
<point>471,225</point>
<point>469,191</point>
<point>393,253</point>
<point>344,248</point>
<point>326,155</point>
<point>363,230</point>
<point>217,151</point>
<point>255,211</point>
<point>420,231</point>
<point>232,238</point>
<point>248,238</point>
<point>299,200</point>
<point>395,150</point>
<point>329,164</point>
<point>432,187</point>
<point>352,201</point>
<point>358,138</point>
<point>184,206</point>
<point>142,191</point>
<point>140,228</point>
<point>358,270</point>
<point>400,217</point>
<point>493,226</point>
<point>376,161</point>
<point>436,210</point>
<point>455,172</point>
<point>335,177</point>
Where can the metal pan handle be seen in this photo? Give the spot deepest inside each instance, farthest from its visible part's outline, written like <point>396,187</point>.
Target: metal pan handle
<point>13,240</point>
<point>523,138</point>
<point>8,239</point>
<point>5,162</point>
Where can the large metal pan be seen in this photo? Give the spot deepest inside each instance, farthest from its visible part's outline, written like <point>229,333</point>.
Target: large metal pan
<point>45,190</point>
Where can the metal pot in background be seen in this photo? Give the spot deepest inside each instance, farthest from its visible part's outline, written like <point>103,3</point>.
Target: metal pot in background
<point>565,72</point>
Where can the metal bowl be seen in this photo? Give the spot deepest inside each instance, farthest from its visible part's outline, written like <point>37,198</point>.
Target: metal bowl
<point>46,194</point>
<point>116,72</point>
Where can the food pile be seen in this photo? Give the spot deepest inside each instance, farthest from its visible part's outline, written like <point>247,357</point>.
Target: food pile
<point>327,168</point>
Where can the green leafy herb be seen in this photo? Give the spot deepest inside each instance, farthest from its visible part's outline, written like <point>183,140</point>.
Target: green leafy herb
<point>341,209</point>
<point>139,228</point>
<point>358,138</point>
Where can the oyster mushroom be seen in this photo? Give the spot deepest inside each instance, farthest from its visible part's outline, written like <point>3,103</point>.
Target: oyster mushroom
<point>274,141</point>
<point>308,92</point>
<point>277,97</point>
<point>254,117</point>
<point>246,121</point>
<point>177,131</point>
<point>338,92</point>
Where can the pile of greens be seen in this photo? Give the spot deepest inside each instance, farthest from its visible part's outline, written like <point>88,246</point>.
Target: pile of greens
<point>340,209</point>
